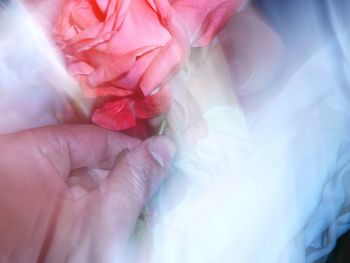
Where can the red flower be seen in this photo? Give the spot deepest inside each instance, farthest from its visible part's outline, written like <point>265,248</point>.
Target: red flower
<point>127,49</point>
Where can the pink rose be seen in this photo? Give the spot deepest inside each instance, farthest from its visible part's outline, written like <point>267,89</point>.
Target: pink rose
<point>126,51</point>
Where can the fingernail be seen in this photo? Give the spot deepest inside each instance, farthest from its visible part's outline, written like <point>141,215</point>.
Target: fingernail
<point>162,149</point>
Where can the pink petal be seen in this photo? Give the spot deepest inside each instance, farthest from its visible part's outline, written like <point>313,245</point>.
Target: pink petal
<point>164,66</point>
<point>116,115</point>
<point>114,66</point>
<point>101,91</point>
<point>205,18</point>
<point>103,4</point>
<point>141,28</point>
<point>173,54</point>
<point>155,105</point>
<point>132,78</point>
<point>111,70</point>
<point>80,68</point>
<point>84,17</point>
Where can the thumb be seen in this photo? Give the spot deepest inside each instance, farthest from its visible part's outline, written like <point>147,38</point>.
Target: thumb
<point>141,170</point>
<point>129,186</point>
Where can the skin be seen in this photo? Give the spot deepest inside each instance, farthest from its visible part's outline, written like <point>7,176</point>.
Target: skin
<point>42,221</point>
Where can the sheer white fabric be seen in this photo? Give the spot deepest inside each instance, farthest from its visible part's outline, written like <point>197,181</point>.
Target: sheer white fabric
<point>268,186</point>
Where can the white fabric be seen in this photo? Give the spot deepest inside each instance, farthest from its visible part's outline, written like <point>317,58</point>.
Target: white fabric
<point>34,85</point>
<point>277,194</point>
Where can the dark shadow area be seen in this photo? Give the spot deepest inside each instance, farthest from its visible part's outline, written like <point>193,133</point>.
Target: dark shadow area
<point>341,253</point>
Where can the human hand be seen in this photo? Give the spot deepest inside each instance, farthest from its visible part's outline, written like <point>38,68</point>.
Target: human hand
<point>41,220</point>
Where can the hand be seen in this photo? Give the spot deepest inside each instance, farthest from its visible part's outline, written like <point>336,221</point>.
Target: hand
<point>41,220</point>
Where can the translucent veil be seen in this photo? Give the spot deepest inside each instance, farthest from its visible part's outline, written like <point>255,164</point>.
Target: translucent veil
<point>268,179</point>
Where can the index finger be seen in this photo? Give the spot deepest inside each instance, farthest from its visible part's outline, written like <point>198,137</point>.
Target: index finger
<point>70,147</point>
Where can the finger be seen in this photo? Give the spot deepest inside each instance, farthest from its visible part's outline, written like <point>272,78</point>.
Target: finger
<point>70,147</point>
<point>129,187</point>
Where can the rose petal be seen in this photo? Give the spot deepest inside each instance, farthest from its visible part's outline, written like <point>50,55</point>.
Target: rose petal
<point>167,63</point>
<point>120,8</point>
<point>106,91</point>
<point>80,68</point>
<point>114,66</point>
<point>84,16</point>
<point>102,4</point>
<point>204,19</point>
<point>155,105</point>
<point>90,33</point>
<point>115,47</point>
<point>214,22</point>
<point>116,115</point>
<point>132,78</point>
<point>101,91</point>
<point>111,70</point>
<point>172,56</point>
